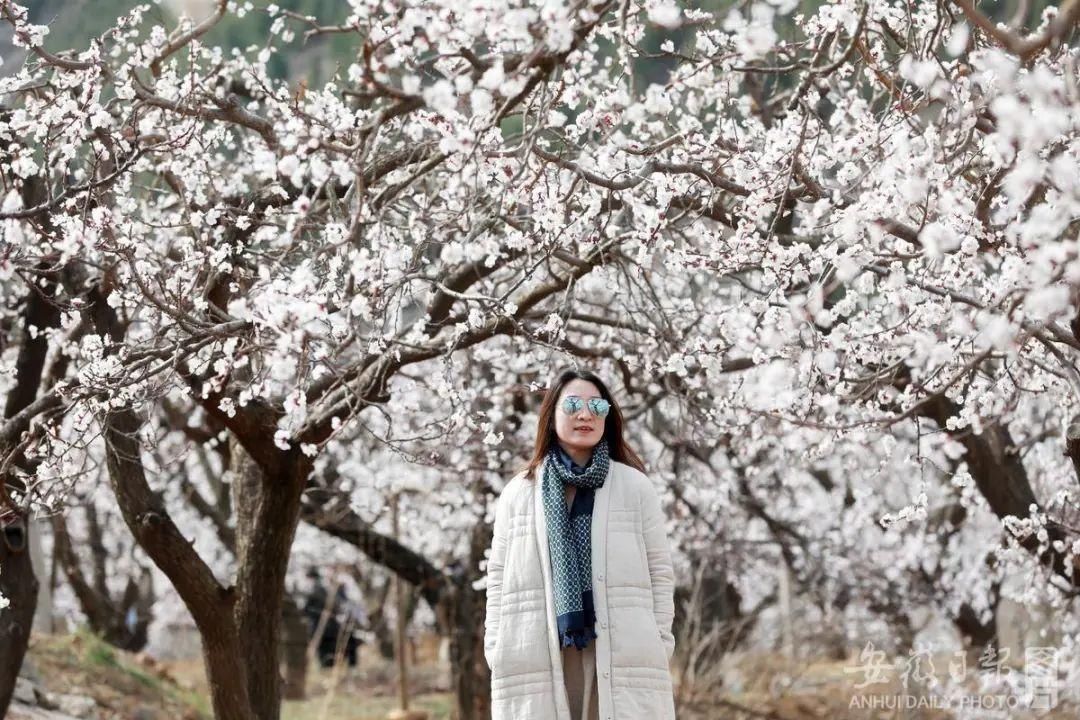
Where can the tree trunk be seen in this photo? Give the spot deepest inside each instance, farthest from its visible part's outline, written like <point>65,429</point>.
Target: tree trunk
<point>225,673</point>
<point>106,615</point>
<point>458,607</point>
<point>713,604</point>
<point>375,599</point>
<point>211,605</point>
<point>43,615</point>
<point>462,611</point>
<point>999,474</point>
<point>20,587</point>
<point>978,636</point>
<point>267,512</point>
<point>18,583</point>
<point>240,626</point>
<point>294,652</point>
<point>469,674</point>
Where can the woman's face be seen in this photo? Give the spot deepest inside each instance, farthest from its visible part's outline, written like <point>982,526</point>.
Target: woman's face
<point>582,430</point>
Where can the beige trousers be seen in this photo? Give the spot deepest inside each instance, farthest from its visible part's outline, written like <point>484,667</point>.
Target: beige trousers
<point>579,670</point>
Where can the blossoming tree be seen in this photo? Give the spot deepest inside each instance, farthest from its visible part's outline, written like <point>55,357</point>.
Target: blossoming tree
<point>827,259</point>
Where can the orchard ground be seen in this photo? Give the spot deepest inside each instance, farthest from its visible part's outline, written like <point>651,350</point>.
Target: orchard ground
<point>763,685</point>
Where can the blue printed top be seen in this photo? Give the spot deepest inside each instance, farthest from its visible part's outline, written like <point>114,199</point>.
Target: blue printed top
<point>569,461</point>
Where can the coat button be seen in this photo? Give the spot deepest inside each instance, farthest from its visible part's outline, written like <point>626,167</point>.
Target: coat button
<point>600,577</point>
<point>603,623</point>
<point>606,673</point>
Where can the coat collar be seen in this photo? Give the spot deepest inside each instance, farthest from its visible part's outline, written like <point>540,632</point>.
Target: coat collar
<point>601,502</point>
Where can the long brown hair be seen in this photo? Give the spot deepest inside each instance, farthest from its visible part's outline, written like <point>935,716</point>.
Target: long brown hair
<point>613,423</point>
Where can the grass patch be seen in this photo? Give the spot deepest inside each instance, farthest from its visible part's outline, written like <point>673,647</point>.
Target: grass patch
<point>82,663</point>
<point>96,652</point>
<point>347,706</point>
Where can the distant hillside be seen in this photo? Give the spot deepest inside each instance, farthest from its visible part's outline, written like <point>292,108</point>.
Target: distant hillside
<point>74,22</point>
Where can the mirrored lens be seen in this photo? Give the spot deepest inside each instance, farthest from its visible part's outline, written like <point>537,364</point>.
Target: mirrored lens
<point>599,406</point>
<point>571,404</point>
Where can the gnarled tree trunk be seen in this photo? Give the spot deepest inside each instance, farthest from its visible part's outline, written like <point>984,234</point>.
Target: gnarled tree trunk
<point>106,615</point>
<point>19,585</point>
<point>18,582</point>
<point>267,511</point>
<point>464,612</point>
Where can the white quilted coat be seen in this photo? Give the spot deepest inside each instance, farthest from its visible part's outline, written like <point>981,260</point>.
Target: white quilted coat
<point>633,591</point>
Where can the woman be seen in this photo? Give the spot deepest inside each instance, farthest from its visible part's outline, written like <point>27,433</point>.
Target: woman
<point>580,591</point>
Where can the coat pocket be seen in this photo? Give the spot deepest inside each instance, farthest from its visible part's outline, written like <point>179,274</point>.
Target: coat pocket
<point>521,641</point>
<point>633,647</point>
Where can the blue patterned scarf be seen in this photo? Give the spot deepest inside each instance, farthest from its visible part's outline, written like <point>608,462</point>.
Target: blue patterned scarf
<point>570,541</point>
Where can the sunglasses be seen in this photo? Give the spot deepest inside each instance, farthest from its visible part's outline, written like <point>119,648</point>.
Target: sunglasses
<point>598,406</point>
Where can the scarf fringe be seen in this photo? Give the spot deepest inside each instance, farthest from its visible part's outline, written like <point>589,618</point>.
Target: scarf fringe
<point>578,637</point>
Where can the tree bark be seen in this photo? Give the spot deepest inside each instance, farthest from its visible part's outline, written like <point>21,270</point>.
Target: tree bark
<point>19,585</point>
<point>1000,475</point>
<point>17,580</point>
<point>979,636</point>
<point>211,605</point>
<point>458,607</point>
<point>267,508</point>
<point>1072,444</point>
<point>341,522</point>
<point>375,602</point>
<point>464,609</point>
<point>105,615</point>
